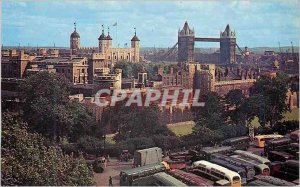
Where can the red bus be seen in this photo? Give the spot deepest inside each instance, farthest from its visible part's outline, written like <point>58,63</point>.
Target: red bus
<point>184,155</point>
<point>177,164</point>
<point>190,178</point>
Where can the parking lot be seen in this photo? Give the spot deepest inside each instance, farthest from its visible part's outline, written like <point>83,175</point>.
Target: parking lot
<point>113,169</point>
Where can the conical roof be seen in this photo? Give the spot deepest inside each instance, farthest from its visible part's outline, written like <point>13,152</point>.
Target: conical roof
<point>75,35</point>
<point>108,37</point>
<point>102,36</point>
<point>186,26</point>
<point>227,29</point>
<point>135,38</point>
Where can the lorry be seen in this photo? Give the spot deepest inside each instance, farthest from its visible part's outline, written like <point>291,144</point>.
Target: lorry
<point>147,156</point>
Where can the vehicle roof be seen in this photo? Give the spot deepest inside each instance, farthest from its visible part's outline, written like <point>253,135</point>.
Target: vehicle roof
<point>235,160</point>
<point>195,178</point>
<point>238,138</point>
<point>149,149</point>
<point>168,179</point>
<point>143,168</point>
<point>284,139</point>
<point>227,165</point>
<point>259,183</point>
<point>251,155</point>
<point>281,153</point>
<point>268,136</point>
<point>274,180</point>
<point>250,161</point>
<point>215,149</point>
<point>228,173</point>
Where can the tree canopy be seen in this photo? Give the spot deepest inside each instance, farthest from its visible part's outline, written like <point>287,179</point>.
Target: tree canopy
<point>27,161</point>
<point>49,111</point>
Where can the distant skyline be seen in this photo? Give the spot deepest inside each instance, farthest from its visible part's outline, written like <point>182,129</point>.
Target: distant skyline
<point>43,23</point>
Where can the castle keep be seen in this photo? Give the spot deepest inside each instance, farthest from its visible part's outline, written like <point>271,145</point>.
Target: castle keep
<point>105,48</point>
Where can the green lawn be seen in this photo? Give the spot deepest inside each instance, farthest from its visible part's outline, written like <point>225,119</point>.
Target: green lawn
<point>185,128</point>
<point>293,115</point>
<point>181,129</point>
<point>110,140</point>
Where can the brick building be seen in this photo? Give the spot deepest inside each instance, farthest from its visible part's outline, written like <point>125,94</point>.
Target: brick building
<point>75,69</point>
<point>14,63</point>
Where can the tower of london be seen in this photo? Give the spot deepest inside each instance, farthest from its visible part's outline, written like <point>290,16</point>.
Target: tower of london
<point>105,50</point>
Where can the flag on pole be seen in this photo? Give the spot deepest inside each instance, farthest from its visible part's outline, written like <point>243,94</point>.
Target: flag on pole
<point>115,24</point>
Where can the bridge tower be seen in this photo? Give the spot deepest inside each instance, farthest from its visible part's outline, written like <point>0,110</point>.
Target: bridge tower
<point>186,40</point>
<point>227,46</point>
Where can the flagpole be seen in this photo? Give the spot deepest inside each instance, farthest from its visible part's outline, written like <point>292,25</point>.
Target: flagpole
<point>117,33</point>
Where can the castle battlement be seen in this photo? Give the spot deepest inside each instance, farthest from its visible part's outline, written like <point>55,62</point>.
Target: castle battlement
<point>221,83</point>
<point>88,48</point>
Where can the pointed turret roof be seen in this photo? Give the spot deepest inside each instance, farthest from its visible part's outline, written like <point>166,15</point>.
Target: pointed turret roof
<point>227,29</point>
<point>186,30</point>
<point>102,36</point>
<point>75,34</point>
<point>108,36</point>
<point>228,32</point>
<point>135,38</point>
<point>186,26</point>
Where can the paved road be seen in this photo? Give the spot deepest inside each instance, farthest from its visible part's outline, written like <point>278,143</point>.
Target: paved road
<point>113,169</point>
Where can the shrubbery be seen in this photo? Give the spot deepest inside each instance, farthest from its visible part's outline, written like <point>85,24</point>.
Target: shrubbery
<point>26,161</point>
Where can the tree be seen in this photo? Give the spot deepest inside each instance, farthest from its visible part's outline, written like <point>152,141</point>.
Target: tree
<point>82,123</point>
<point>236,106</point>
<point>26,161</point>
<point>133,121</point>
<point>45,97</point>
<point>271,93</point>
<point>49,111</point>
<point>126,69</point>
<point>212,114</point>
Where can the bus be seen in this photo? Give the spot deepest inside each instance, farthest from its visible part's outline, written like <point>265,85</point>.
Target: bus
<point>140,176</point>
<point>253,156</point>
<point>259,183</point>
<point>216,172</point>
<point>189,178</point>
<point>295,136</point>
<point>291,168</point>
<point>184,156</point>
<point>163,179</point>
<point>238,142</point>
<point>259,140</point>
<point>279,156</point>
<point>240,170</point>
<point>276,144</point>
<point>274,181</point>
<point>260,169</point>
<point>207,152</point>
<point>176,164</point>
<point>293,149</point>
<point>247,166</point>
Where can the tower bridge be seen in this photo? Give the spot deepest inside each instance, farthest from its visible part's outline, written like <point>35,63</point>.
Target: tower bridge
<point>187,39</point>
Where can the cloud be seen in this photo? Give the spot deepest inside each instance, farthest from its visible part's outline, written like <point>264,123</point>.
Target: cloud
<point>256,22</point>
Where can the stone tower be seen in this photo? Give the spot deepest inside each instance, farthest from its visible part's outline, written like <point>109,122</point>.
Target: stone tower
<point>74,41</point>
<point>227,46</point>
<point>102,42</point>
<point>186,38</point>
<point>135,44</point>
